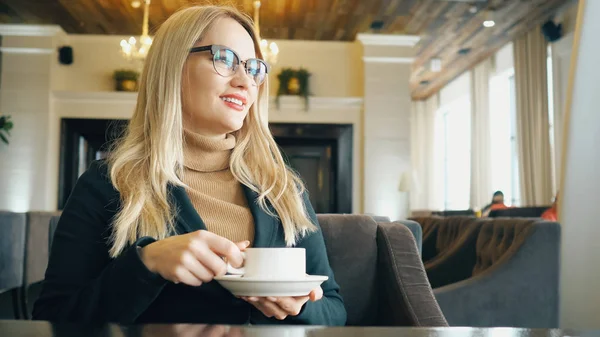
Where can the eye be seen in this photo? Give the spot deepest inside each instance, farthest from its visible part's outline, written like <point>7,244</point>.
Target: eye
<point>225,58</point>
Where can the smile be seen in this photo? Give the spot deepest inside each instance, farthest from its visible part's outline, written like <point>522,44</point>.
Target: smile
<point>233,100</point>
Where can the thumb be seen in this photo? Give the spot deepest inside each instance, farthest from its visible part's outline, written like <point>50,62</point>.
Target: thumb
<point>316,294</point>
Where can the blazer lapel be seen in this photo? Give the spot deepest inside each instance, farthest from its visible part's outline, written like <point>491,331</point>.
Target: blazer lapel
<point>266,227</point>
<point>187,220</point>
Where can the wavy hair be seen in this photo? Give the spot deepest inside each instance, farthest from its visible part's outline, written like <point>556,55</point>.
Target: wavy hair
<point>149,156</point>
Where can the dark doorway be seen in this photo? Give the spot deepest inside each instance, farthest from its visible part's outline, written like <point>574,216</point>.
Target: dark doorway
<point>81,142</point>
<point>322,156</point>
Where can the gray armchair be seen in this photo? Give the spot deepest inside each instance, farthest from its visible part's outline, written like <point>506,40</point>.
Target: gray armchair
<point>381,276</point>
<point>12,256</point>
<point>39,236</point>
<point>414,227</point>
<point>515,280</point>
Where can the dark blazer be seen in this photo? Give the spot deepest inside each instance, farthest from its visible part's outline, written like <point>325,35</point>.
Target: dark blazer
<point>84,284</point>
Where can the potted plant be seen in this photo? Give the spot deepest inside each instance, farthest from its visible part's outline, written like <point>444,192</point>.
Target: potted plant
<point>126,80</point>
<point>293,82</point>
<point>5,126</point>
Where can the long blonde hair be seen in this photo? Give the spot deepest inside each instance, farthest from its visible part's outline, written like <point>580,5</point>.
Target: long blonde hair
<point>149,157</point>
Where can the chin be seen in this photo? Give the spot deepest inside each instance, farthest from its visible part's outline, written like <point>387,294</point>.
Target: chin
<point>232,126</point>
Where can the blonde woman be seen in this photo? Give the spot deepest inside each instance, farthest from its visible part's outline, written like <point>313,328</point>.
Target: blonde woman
<point>197,177</point>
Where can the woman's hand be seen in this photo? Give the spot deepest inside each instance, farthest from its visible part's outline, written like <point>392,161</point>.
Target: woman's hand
<point>192,258</point>
<point>282,307</point>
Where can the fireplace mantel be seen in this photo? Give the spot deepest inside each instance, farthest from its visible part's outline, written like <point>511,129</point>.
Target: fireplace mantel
<point>107,104</point>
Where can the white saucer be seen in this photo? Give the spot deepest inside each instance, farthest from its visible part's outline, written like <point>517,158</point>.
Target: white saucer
<point>249,286</point>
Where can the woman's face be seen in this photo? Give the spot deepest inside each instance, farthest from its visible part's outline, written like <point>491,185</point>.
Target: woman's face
<point>498,199</point>
<point>211,102</point>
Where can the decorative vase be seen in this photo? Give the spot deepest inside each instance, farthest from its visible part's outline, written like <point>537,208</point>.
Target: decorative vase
<point>293,86</point>
<point>126,85</point>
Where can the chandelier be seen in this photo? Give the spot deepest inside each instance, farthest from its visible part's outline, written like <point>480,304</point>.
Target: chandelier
<point>137,49</point>
<point>269,50</point>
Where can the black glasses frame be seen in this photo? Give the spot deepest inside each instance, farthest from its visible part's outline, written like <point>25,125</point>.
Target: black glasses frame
<point>214,48</point>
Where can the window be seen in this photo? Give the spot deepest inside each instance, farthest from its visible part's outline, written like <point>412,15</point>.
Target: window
<point>456,153</point>
<point>503,134</point>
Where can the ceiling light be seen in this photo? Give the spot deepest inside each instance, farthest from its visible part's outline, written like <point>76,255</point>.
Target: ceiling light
<point>489,18</point>
<point>489,23</point>
<point>136,3</point>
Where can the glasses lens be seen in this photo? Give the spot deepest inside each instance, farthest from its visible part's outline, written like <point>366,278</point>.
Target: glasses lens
<point>257,69</point>
<point>225,62</point>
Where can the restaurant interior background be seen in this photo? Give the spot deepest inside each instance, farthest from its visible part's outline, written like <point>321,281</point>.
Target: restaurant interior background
<point>393,108</point>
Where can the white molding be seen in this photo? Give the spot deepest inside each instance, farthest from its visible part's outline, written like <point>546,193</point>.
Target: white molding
<point>95,96</point>
<point>377,59</point>
<point>286,103</point>
<point>91,38</point>
<point>388,40</point>
<point>296,103</point>
<point>30,30</point>
<point>17,50</point>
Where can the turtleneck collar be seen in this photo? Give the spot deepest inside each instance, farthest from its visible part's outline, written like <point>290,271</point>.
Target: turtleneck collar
<point>205,154</point>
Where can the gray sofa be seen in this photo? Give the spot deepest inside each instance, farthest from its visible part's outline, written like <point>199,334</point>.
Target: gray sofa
<point>515,281</point>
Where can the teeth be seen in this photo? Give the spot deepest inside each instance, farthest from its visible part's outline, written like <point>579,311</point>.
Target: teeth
<point>232,100</point>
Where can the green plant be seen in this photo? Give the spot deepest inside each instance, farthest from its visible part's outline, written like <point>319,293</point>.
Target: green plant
<point>125,74</point>
<point>288,74</point>
<point>5,126</point>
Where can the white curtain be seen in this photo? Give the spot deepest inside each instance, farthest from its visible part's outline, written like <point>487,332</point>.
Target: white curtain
<point>425,169</point>
<point>481,170</point>
<point>533,136</point>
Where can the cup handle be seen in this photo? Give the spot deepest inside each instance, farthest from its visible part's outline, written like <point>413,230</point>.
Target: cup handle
<point>236,271</point>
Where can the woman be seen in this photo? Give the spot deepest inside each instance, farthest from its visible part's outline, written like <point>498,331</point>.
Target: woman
<point>196,178</point>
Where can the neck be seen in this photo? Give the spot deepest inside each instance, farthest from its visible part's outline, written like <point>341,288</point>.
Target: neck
<point>207,153</point>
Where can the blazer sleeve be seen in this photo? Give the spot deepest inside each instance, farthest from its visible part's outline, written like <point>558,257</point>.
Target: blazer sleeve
<point>83,283</point>
<point>330,310</point>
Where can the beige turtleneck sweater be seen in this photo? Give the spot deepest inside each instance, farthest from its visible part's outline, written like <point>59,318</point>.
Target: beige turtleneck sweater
<point>216,195</point>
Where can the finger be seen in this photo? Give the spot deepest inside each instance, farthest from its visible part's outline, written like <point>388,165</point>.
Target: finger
<point>271,308</point>
<point>316,294</point>
<point>200,271</point>
<point>291,305</point>
<point>210,260</point>
<point>182,275</point>
<point>223,247</point>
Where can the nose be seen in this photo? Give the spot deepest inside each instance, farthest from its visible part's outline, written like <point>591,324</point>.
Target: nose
<point>241,79</point>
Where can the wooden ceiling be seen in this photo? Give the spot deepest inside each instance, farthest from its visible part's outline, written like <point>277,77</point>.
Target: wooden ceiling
<point>446,26</point>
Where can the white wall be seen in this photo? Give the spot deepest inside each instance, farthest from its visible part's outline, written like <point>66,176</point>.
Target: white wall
<point>335,66</point>
<point>580,258</point>
<point>458,88</point>
<point>504,59</point>
<point>386,123</point>
<point>27,164</point>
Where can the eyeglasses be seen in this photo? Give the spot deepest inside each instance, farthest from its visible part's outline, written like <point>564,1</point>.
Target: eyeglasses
<point>226,63</point>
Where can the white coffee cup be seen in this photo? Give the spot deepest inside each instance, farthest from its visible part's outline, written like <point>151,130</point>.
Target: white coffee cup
<point>272,264</point>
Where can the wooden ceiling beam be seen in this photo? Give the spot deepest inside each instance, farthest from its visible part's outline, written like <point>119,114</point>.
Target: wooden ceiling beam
<point>460,65</point>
